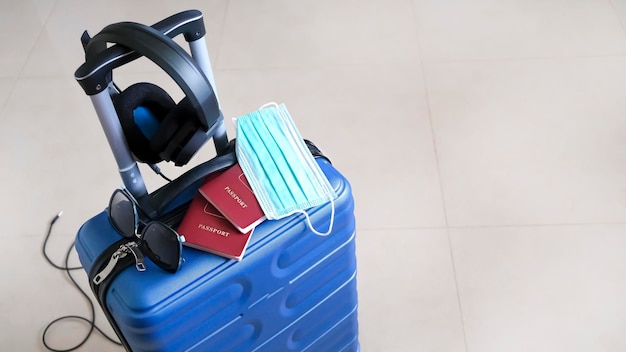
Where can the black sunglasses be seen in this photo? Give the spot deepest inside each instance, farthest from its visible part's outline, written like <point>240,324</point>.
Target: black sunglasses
<point>156,240</point>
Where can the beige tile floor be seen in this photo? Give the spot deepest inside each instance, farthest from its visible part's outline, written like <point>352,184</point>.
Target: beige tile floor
<point>485,141</point>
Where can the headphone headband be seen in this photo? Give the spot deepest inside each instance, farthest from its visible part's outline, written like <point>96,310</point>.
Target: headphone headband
<point>158,48</point>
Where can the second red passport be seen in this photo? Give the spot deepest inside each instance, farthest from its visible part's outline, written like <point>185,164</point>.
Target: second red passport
<point>206,229</point>
<point>231,194</point>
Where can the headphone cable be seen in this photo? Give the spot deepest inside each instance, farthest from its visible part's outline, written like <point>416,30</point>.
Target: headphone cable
<point>157,170</point>
<point>68,270</point>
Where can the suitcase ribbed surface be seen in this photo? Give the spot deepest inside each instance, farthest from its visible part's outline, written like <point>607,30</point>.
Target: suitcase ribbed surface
<point>293,291</point>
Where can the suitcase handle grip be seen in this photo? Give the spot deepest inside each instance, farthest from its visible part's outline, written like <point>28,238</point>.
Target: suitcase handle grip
<point>188,23</point>
<point>95,77</point>
<point>93,73</point>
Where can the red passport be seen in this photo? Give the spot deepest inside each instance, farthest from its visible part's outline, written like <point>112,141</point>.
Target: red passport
<point>231,194</point>
<point>206,229</point>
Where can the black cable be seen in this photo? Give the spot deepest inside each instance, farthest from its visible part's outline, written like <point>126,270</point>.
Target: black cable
<point>157,170</point>
<point>45,243</point>
<point>92,321</point>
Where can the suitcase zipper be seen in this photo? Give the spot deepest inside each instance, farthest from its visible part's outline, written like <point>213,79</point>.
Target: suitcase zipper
<point>121,252</point>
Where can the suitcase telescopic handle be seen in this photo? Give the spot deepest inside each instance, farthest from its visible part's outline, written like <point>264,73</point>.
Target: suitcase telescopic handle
<point>94,74</point>
<point>95,77</point>
<point>188,23</point>
<point>168,55</point>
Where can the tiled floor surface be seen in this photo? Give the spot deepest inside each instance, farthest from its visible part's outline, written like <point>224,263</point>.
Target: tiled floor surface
<point>485,141</point>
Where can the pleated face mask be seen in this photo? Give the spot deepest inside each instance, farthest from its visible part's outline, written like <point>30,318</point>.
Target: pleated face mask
<point>281,171</point>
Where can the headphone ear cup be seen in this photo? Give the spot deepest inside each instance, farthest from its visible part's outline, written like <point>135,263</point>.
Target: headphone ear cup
<point>141,109</point>
<point>179,135</point>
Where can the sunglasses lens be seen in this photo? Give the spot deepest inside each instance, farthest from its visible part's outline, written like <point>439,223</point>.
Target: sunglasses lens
<point>162,245</point>
<point>122,214</point>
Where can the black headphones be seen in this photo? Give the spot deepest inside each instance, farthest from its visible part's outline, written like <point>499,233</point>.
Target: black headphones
<point>180,128</point>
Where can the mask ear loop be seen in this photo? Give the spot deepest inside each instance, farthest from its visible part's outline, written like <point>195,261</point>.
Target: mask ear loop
<point>330,226</point>
<point>271,103</point>
<point>306,215</point>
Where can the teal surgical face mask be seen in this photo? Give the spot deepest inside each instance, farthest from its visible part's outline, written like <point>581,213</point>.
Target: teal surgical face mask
<point>283,174</point>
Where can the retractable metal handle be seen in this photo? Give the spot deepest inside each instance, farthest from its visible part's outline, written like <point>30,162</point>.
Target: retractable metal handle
<point>95,74</point>
<point>127,166</point>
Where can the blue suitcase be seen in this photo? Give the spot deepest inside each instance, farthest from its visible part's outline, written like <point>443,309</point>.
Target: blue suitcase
<point>293,290</point>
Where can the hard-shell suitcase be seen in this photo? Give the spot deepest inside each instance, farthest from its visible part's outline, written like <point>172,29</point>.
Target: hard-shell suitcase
<point>293,290</point>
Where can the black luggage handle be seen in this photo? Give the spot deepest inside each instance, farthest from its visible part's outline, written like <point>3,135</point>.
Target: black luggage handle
<point>95,77</point>
<point>188,23</point>
<point>99,61</point>
<point>148,42</point>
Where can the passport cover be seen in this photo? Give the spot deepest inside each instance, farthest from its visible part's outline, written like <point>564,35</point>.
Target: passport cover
<point>206,229</point>
<point>230,192</point>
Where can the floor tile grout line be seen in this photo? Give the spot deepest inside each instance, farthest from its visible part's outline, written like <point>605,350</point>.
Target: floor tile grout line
<point>434,144</point>
<point>438,169</point>
<point>430,118</point>
<point>330,65</point>
<point>617,15</point>
<point>535,225</point>
<point>320,65</point>
<point>17,78</point>
<point>220,38</point>
<point>520,59</point>
<point>5,102</point>
<point>39,35</point>
<point>486,227</point>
